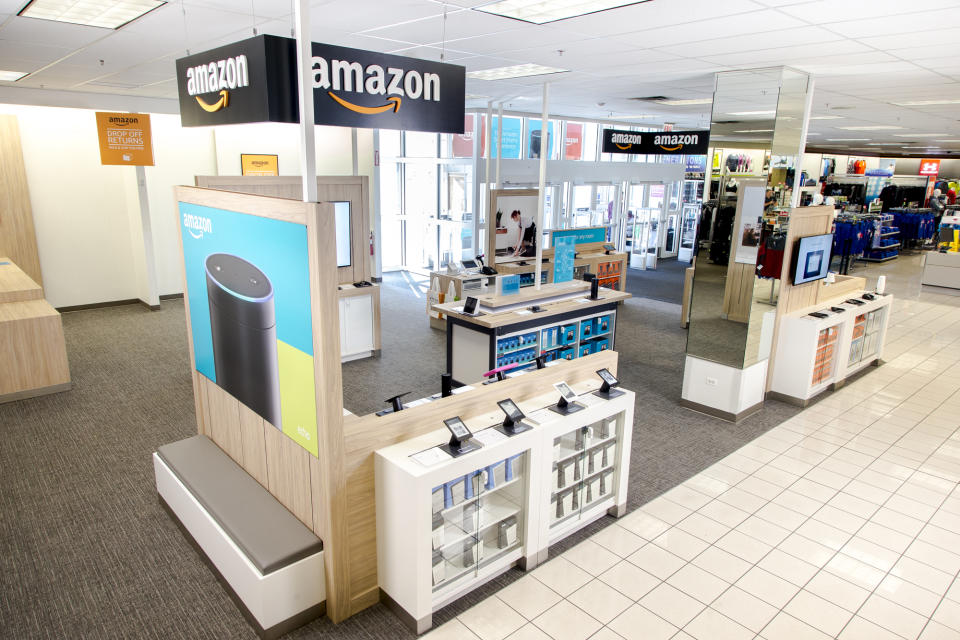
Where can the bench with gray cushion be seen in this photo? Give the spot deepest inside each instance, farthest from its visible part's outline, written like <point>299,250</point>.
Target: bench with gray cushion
<point>227,511</point>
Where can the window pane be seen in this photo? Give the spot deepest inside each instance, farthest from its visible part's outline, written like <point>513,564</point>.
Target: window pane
<point>420,144</point>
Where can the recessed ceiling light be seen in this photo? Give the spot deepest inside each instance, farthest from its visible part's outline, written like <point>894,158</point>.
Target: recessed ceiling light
<point>684,103</point>
<point>924,103</point>
<point>754,131</point>
<point>540,12</point>
<point>918,135</point>
<point>515,71</point>
<point>872,127</point>
<point>110,14</point>
<point>826,117</point>
<point>752,113</point>
<point>847,139</point>
<point>11,76</point>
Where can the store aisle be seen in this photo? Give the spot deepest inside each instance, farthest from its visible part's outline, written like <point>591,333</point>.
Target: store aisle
<point>844,521</point>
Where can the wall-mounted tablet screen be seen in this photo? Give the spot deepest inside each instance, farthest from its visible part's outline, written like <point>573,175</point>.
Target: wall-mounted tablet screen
<point>341,212</point>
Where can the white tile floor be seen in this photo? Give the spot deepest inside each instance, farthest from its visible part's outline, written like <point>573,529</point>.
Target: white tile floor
<point>843,522</point>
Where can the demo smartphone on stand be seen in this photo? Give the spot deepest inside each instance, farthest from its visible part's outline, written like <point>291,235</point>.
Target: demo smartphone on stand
<point>566,405</point>
<point>461,439</point>
<point>512,424</point>
<point>606,390</point>
<point>470,307</point>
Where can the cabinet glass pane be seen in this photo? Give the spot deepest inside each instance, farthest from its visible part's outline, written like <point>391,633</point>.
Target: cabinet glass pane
<point>584,468</point>
<point>475,519</point>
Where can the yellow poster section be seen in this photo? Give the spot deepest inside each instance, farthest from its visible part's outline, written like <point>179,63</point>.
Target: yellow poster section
<point>298,402</point>
<point>252,164</point>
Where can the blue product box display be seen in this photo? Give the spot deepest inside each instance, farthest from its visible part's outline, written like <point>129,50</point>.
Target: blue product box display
<point>586,329</point>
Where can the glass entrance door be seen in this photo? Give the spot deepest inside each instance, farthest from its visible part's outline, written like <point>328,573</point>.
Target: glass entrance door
<point>645,202</point>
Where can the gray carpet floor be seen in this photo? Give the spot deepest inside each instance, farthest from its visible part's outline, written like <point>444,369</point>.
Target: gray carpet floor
<point>87,552</point>
<point>665,283</point>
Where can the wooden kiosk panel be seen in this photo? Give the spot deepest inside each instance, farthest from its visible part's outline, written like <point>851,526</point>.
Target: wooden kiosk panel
<point>18,238</point>
<point>32,347</point>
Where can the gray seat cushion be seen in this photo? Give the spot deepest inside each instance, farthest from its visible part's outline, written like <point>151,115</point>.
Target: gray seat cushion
<point>268,534</point>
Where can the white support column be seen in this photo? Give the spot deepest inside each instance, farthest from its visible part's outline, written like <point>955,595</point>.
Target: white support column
<point>541,199</point>
<point>477,146</point>
<point>150,262</point>
<point>308,146</point>
<point>375,208</point>
<point>491,259</point>
<point>496,182</point>
<point>354,151</point>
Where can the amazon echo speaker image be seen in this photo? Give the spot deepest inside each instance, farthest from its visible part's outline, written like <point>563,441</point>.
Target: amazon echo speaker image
<point>243,326</point>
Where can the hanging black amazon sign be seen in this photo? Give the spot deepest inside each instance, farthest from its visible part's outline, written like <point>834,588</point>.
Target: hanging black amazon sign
<point>659,142</point>
<point>256,81</point>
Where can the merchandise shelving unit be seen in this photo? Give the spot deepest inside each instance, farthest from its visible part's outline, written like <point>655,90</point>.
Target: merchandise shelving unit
<point>886,245</point>
<point>446,525</point>
<point>814,354</point>
<point>579,336</point>
<point>508,330</point>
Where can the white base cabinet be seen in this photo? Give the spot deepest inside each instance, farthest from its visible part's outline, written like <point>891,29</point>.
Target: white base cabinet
<point>356,327</point>
<point>815,353</point>
<point>446,525</point>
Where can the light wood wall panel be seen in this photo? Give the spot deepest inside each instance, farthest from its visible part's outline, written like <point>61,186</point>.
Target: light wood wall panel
<point>254,444</point>
<point>224,413</point>
<point>288,473</point>
<point>18,237</point>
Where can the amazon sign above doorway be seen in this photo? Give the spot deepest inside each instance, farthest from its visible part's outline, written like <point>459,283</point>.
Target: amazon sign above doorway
<point>656,142</point>
<point>255,80</point>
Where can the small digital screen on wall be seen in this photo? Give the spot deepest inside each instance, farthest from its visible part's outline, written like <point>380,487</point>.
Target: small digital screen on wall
<point>342,214</point>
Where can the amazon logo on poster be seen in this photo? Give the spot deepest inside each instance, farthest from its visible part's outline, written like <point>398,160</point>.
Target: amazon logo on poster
<point>221,77</point>
<point>341,77</point>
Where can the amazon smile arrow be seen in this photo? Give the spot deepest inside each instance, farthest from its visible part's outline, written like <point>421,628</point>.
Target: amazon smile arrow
<point>394,103</point>
<point>219,104</point>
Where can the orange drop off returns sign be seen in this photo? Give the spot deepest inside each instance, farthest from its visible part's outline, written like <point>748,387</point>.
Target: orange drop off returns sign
<point>125,139</point>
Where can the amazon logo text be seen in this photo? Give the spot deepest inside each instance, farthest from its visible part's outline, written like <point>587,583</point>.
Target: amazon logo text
<point>343,75</point>
<point>220,75</point>
<point>197,225</point>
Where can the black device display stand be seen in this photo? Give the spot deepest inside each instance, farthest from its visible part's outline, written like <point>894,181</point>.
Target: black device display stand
<point>607,392</point>
<point>565,408</point>
<point>541,361</point>
<point>511,427</point>
<point>396,404</point>
<point>460,445</point>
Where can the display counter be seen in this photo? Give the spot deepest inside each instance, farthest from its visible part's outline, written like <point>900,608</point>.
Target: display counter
<point>465,283</point>
<point>814,354</point>
<point>32,345</point>
<point>447,524</point>
<point>506,331</point>
<point>610,268</point>
<point>941,269</point>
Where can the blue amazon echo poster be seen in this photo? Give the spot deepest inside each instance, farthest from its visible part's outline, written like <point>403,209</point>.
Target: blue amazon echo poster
<point>248,286</point>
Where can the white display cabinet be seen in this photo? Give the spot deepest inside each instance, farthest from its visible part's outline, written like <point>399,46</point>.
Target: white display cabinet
<point>446,525</point>
<point>813,354</point>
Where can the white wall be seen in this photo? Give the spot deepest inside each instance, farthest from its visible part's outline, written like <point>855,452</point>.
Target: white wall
<point>87,215</point>
<point>334,147</point>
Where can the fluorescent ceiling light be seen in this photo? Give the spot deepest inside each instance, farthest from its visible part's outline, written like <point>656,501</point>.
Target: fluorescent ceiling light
<point>918,135</point>
<point>515,71</point>
<point>639,117</point>
<point>924,103</point>
<point>474,96</point>
<point>752,113</point>
<point>540,12</point>
<point>872,127</point>
<point>847,139</point>
<point>110,14</point>
<point>11,76</point>
<point>684,103</point>
<point>948,141</point>
<point>826,117</point>
<point>811,133</point>
<point>754,131</point>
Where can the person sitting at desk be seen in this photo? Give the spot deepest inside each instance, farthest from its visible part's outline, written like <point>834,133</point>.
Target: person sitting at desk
<point>526,244</point>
